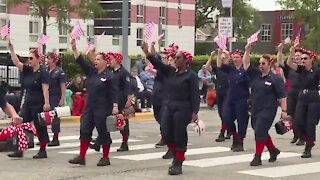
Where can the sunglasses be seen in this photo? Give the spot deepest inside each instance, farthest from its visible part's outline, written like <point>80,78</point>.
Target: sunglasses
<point>30,58</point>
<point>262,63</point>
<point>305,58</point>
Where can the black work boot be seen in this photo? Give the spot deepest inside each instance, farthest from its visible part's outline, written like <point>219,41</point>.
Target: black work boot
<point>256,160</point>
<point>16,154</point>
<point>123,147</point>
<point>95,146</point>
<point>294,139</point>
<point>168,155</point>
<point>160,144</point>
<point>104,162</point>
<point>78,160</point>
<point>301,142</point>
<point>221,136</point>
<point>54,142</point>
<point>238,146</point>
<point>234,143</point>
<point>176,167</point>
<point>307,151</point>
<point>42,153</point>
<point>273,154</point>
<point>228,136</point>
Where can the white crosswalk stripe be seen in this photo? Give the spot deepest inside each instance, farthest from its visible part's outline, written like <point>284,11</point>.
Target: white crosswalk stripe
<point>198,157</point>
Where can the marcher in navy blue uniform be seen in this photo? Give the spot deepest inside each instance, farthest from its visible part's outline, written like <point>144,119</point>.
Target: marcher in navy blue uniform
<point>183,103</point>
<point>221,86</point>
<point>102,101</point>
<point>267,92</point>
<point>307,110</point>
<point>36,82</point>
<point>8,108</point>
<point>295,87</point>
<point>57,91</point>
<point>236,107</point>
<point>125,93</point>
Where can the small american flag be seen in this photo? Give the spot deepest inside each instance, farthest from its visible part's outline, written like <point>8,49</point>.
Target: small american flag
<point>253,38</point>
<point>89,46</point>
<point>77,31</point>
<point>149,30</point>
<point>287,40</point>
<point>297,39</point>
<point>5,30</point>
<point>43,39</point>
<point>221,41</point>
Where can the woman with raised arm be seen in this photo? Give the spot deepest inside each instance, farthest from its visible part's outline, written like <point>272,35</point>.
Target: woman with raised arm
<point>294,80</point>
<point>102,102</point>
<point>57,91</point>
<point>307,109</point>
<point>183,103</point>
<point>267,92</point>
<point>221,85</point>
<point>36,83</point>
<point>236,106</point>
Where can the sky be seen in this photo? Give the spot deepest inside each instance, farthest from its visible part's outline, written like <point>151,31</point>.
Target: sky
<point>265,5</point>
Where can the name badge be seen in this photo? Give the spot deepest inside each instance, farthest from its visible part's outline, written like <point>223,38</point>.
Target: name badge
<point>267,83</point>
<point>103,79</point>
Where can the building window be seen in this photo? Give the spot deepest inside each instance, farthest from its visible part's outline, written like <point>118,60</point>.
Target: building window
<point>63,32</point>
<point>90,30</point>
<point>286,30</point>
<point>163,15</point>
<point>139,36</point>
<point>163,39</point>
<point>3,6</point>
<point>266,32</point>
<point>33,31</point>
<point>62,52</point>
<point>140,14</point>
<point>115,40</point>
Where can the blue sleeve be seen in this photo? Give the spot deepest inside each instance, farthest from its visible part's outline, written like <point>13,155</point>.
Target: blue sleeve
<point>62,77</point>
<point>44,76</point>
<point>279,87</point>
<point>165,69</point>
<point>114,83</point>
<point>26,69</point>
<point>300,69</point>
<point>253,72</point>
<point>85,66</point>
<point>195,93</point>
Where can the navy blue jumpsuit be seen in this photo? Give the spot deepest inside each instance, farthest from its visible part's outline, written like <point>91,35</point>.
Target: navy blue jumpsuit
<point>124,90</point>
<point>183,100</point>
<point>236,107</point>
<point>102,93</point>
<point>57,77</point>
<point>265,93</point>
<point>34,100</point>
<point>307,110</point>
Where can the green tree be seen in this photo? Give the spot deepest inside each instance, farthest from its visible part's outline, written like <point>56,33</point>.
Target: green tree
<point>307,11</point>
<point>246,18</point>
<point>87,9</point>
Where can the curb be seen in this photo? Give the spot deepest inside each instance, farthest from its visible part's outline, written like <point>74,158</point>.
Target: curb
<point>138,117</point>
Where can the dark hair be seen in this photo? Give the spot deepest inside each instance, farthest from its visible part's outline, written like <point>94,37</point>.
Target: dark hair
<point>55,57</point>
<point>268,58</point>
<point>307,53</point>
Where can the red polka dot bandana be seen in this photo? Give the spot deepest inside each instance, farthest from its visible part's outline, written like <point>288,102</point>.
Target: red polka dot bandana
<point>118,56</point>
<point>55,57</point>
<point>239,52</point>
<point>187,55</point>
<point>19,130</point>
<point>171,50</point>
<point>105,56</point>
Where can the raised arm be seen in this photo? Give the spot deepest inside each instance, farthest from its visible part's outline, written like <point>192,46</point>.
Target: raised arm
<point>290,63</point>
<point>91,55</point>
<point>209,62</point>
<point>280,59</point>
<point>14,57</point>
<point>79,59</point>
<point>219,60</point>
<point>154,61</point>
<point>246,57</point>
